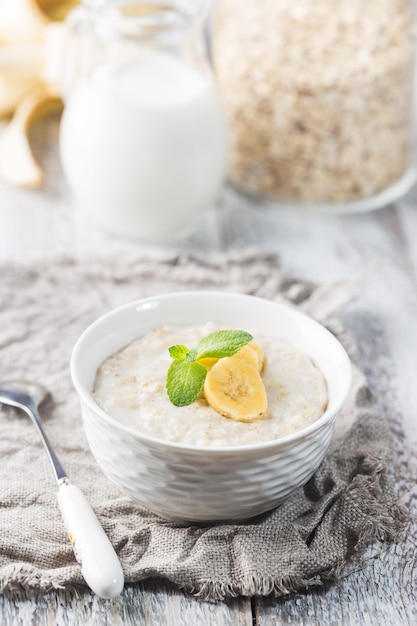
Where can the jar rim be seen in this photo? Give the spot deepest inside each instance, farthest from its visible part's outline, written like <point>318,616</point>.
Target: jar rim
<point>142,13</point>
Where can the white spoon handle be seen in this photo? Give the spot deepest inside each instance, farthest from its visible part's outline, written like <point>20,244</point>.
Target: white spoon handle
<point>100,566</point>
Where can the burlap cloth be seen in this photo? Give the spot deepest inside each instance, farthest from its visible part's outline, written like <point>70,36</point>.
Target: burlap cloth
<point>311,538</point>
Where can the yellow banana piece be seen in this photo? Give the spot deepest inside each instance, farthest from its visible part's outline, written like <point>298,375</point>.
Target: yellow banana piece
<point>234,388</point>
<point>252,353</point>
<point>208,362</point>
<point>261,359</point>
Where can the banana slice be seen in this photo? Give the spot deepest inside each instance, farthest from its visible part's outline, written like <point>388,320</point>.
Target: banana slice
<point>234,388</point>
<point>252,354</point>
<point>261,359</point>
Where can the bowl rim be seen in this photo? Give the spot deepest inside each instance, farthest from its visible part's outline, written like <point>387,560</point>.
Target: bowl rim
<point>86,395</point>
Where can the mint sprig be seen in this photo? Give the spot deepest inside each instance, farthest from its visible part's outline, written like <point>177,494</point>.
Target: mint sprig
<point>185,378</point>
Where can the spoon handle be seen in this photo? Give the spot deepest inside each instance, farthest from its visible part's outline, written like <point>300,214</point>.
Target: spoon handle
<point>100,566</point>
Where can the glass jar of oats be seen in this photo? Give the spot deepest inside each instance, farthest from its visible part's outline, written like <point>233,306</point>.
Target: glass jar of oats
<point>319,99</point>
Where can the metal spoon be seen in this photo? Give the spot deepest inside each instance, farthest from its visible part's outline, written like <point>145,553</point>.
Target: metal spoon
<point>93,551</point>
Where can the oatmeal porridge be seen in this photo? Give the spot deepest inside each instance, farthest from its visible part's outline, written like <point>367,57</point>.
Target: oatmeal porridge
<point>130,386</point>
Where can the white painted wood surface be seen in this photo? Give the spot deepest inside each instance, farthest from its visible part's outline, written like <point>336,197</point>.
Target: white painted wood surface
<point>378,252</point>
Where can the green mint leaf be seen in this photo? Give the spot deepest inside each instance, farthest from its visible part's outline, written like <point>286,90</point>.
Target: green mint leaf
<point>185,381</point>
<point>179,352</point>
<point>222,343</point>
<point>191,356</point>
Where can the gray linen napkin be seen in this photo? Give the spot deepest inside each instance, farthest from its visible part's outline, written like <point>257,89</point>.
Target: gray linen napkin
<point>348,503</point>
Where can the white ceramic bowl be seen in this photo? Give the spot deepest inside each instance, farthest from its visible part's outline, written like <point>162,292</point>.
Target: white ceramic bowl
<point>198,484</point>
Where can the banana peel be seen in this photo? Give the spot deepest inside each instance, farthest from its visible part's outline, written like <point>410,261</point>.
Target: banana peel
<point>18,166</point>
<point>25,20</point>
<point>21,66</point>
<point>57,10</point>
<point>26,89</point>
<point>21,20</point>
<point>31,37</point>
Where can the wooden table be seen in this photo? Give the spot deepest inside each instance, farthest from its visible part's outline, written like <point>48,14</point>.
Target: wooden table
<point>378,252</point>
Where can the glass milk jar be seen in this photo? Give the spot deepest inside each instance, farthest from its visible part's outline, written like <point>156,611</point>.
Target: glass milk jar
<point>143,136</point>
<point>319,95</point>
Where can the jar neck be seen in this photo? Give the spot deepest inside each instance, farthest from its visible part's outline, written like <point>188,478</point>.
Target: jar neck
<point>135,17</point>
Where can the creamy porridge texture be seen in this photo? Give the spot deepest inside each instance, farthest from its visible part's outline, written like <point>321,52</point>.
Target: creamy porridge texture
<point>130,387</point>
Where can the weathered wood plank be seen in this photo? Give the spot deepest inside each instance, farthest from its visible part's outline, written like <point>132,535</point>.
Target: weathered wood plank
<point>151,603</point>
<point>368,597</point>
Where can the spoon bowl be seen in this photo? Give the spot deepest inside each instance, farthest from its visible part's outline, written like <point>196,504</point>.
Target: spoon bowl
<point>22,394</point>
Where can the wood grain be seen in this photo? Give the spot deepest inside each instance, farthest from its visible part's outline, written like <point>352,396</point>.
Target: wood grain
<point>157,603</point>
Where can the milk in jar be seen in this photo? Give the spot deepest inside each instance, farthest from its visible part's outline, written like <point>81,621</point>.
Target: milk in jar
<point>144,144</point>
